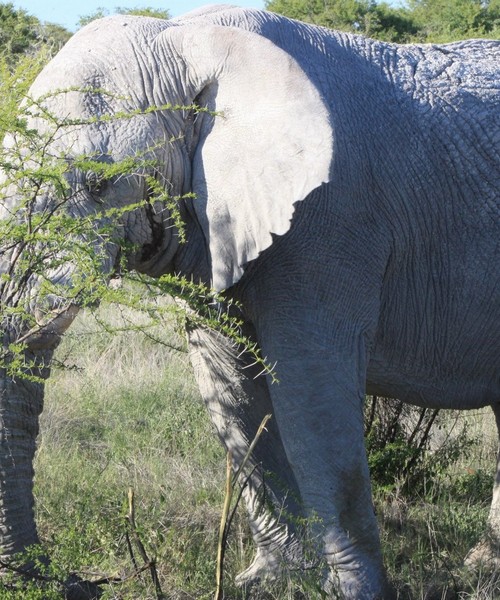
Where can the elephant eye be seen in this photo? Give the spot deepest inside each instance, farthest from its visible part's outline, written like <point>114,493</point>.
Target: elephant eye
<point>95,183</point>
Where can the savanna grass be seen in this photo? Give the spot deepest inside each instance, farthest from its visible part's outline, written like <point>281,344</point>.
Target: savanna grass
<point>426,536</point>
<point>127,414</point>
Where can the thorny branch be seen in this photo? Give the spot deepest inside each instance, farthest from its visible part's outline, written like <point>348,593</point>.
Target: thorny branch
<point>132,533</point>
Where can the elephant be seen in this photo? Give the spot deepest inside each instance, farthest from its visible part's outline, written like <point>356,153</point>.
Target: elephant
<point>345,192</point>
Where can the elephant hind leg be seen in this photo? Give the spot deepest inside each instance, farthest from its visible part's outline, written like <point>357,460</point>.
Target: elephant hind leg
<point>486,553</point>
<point>237,401</point>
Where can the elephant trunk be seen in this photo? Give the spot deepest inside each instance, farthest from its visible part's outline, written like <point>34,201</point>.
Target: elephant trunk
<point>22,376</point>
<point>21,402</point>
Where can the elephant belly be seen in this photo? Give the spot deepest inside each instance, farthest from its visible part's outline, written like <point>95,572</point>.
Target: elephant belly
<point>432,385</point>
<point>438,331</point>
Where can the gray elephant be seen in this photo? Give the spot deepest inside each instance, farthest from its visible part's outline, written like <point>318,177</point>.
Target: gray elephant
<point>347,194</point>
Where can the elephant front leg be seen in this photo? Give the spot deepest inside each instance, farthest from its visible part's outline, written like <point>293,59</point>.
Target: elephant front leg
<point>319,409</point>
<point>237,400</point>
<point>486,553</point>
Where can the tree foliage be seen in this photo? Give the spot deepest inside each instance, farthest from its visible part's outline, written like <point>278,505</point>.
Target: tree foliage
<point>22,33</point>
<point>413,21</point>
<point>443,20</point>
<point>18,30</point>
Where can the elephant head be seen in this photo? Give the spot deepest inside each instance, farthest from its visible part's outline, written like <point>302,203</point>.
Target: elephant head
<point>172,100</point>
<point>120,66</point>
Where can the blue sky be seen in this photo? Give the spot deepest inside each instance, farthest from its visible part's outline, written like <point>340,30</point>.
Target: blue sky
<point>67,12</point>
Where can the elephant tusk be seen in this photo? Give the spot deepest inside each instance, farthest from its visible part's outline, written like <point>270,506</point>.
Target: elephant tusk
<point>47,334</point>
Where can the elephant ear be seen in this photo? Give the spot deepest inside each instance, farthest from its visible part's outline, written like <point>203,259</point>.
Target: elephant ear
<point>268,146</point>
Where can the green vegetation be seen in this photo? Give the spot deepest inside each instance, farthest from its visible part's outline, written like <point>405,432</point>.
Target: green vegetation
<point>127,415</point>
<point>21,34</point>
<point>410,21</point>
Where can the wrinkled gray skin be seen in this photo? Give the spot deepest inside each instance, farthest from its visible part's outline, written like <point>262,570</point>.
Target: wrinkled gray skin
<point>348,195</point>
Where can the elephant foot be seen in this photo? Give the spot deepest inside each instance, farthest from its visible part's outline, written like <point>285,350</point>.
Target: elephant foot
<point>270,565</point>
<point>266,567</point>
<point>485,554</point>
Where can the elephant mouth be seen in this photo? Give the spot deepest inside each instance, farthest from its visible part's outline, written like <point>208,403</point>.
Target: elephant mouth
<point>155,258</point>
<point>151,250</point>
